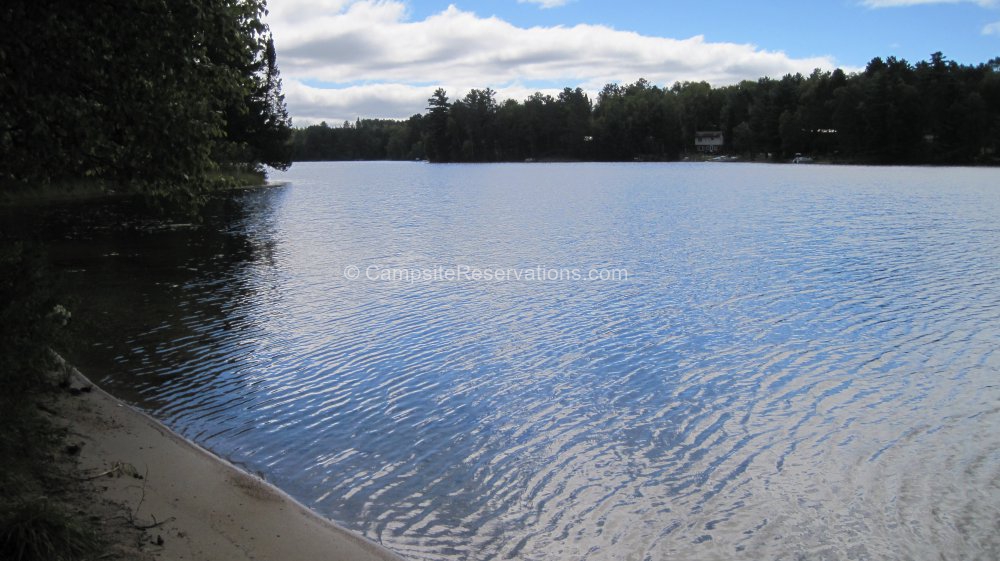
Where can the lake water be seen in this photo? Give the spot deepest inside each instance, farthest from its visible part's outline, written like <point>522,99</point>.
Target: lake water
<point>771,362</point>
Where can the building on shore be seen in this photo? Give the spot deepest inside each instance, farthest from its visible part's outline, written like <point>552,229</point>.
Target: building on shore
<point>708,142</point>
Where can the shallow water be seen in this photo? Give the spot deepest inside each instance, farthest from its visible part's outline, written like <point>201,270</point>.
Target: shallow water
<point>801,363</point>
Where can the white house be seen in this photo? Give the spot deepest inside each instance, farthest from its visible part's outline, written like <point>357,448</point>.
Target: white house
<point>708,141</point>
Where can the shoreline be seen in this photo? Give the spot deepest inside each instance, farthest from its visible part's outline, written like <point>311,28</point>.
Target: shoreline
<point>85,193</point>
<point>821,162</point>
<point>187,502</point>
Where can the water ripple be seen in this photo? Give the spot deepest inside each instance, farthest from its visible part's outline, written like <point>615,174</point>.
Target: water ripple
<point>802,363</point>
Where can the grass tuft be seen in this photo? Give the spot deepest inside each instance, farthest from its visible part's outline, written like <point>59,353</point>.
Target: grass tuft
<point>40,531</point>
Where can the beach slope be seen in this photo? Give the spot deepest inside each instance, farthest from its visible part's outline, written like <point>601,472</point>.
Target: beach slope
<point>191,504</point>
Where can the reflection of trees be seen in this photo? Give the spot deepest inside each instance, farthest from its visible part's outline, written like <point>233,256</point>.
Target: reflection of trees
<point>154,297</point>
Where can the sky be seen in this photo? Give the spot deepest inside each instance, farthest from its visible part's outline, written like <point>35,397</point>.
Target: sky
<point>344,59</point>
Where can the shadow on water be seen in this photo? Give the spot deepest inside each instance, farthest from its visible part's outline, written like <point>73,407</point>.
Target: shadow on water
<point>126,271</point>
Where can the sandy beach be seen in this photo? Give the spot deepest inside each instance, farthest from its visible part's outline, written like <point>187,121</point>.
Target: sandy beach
<point>180,502</point>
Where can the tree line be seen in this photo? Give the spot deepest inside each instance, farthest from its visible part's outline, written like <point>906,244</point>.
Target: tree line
<point>936,111</point>
<point>138,94</point>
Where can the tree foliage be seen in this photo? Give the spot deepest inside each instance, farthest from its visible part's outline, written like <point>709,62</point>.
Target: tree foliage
<point>936,111</point>
<point>138,94</point>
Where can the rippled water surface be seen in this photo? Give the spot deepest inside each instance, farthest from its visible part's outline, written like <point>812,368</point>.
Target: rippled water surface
<point>802,362</point>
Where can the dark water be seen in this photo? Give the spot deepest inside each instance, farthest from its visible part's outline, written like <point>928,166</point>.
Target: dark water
<point>802,362</point>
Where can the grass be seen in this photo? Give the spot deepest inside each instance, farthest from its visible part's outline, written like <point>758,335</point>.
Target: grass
<point>43,531</point>
<point>34,525</point>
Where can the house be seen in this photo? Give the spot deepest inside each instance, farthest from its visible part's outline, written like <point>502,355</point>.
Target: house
<point>708,142</point>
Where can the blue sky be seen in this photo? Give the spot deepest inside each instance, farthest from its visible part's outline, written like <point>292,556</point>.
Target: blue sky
<point>342,59</point>
<point>848,30</point>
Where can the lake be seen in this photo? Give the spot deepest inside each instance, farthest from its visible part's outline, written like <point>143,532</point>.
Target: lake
<point>579,361</point>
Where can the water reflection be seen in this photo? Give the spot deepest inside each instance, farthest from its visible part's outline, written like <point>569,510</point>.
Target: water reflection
<point>130,271</point>
<point>802,362</point>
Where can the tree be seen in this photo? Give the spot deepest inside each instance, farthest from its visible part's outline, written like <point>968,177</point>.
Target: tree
<point>436,142</point>
<point>575,109</point>
<point>476,114</point>
<point>260,124</point>
<point>137,94</point>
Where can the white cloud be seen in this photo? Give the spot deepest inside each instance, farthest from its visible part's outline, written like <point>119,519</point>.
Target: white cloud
<point>904,3</point>
<point>381,63</point>
<point>384,101</point>
<point>310,105</point>
<point>545,3</point>
<point>992,29</point>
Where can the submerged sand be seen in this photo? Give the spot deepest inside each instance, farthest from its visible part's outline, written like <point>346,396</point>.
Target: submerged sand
<point>190,504</point>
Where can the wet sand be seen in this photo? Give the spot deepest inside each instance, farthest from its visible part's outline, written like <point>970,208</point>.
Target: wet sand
<point>191,504</point>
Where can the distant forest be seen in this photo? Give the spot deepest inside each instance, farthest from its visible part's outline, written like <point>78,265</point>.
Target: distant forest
<point>894,112</point>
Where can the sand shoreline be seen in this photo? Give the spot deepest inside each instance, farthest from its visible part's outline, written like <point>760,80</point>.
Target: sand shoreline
<point>191,504</point>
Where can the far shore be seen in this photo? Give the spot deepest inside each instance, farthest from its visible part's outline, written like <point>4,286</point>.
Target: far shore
<point>184,502</point>
<point>691,160</point>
